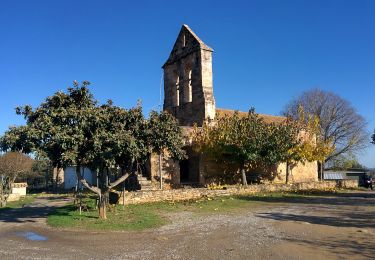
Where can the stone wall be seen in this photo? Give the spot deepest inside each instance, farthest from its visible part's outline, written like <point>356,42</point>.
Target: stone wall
<point>301,172</point>
<point>216,172</point>
<point>18,191</point>
<point>193,194</point>
<point>170,171</point>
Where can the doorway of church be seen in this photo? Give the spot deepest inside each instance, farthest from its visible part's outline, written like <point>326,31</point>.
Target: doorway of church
<point>189,168</point>
<point>184,171</point>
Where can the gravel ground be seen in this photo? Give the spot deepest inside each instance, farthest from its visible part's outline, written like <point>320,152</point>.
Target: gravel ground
<point>339,227</point>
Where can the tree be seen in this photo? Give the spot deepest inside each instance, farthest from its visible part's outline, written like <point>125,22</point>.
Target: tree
<point>165,134</point>
<point>12,165</point>
<point>248,141</point>
<point>373,138</point>
<point>344,162</point>
<point>72,129</point>
<point>291,142</point>
<point>312,146</point>
<point>118,140</point>
<point>339,122</point>
<point>17,138</point>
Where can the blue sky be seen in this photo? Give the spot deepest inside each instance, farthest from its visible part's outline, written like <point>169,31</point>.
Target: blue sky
<point>265,52</point>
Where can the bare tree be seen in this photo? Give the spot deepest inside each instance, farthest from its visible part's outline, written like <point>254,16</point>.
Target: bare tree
<point>339,121</point>
<point>12,164</point>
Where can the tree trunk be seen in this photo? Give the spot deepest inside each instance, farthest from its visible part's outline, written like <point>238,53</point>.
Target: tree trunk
<point>103,200</point>
<point>322,170</point>
<point>287,173</point>
<point>244,180</point>
<point>320,174</point>
<point>2,197</point>
<point>56,177</point>
<point>160,172</point>
<point>102,206</point>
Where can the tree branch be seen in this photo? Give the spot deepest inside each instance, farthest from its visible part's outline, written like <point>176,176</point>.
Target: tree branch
<point>118,181</point>
<point>85,183</point>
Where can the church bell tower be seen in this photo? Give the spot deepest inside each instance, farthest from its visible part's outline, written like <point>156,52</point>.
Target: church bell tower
<point>188,87</point>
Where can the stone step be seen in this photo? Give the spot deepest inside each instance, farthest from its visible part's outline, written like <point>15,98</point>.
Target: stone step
<point>145,183</point>
<point>142,177</point>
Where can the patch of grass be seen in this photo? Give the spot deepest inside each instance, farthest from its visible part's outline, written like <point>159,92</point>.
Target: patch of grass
<point>151,215</point>
<point>28,199</point>
<point>132,217</point>
<point>141,216</point>
<point>216,205</point>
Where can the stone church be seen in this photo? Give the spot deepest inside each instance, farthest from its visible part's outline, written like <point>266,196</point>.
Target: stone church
<point>189,96</point>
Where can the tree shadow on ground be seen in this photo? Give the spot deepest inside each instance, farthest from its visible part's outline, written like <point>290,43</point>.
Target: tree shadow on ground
<point>31,213</point>
<point>338,246</point>
<point>340,199</point>
<point>357,220</point>
<point>340,210</point>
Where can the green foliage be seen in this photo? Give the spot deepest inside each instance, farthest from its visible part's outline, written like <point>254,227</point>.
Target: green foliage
<point>165,134</point>
<point>118,137</point>
<point>28,199</point>
<point>56,128</point>
<point>248,141</point>
<point>312,147</point>
<point>17,138</point>
<point>72,129</point>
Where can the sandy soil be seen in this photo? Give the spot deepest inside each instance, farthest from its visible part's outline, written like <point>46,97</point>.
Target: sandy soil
<point>337,227</point>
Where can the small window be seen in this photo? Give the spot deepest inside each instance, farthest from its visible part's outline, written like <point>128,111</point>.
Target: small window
<point>189,88</point>
<point>177,96</point>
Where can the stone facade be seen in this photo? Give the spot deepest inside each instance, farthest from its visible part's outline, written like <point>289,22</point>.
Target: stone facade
<point>188,95</point>
<point>188,83</point>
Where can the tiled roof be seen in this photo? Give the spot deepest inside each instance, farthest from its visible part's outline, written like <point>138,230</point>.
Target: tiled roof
<point>267,118</point>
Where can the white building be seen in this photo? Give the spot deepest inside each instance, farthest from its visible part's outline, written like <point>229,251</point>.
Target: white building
<point>70,177</point>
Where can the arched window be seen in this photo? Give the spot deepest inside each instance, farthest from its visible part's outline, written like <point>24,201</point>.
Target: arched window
<point>176,99</point>
<point>188,94</point>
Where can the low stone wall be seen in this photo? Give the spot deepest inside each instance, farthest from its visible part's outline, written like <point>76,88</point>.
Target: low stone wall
<point>18,191</point>
<point>19,188</point>
<point>196,193</point>
<point>14,197</point>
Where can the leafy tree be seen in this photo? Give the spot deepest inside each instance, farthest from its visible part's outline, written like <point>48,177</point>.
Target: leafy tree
<point>72,129</point>
<point>17,138</point>
<point>312,147</point>
<point>248,141</point>
<point>42,173</point>
<point>290,142</point>
<point>118,140</point>
<point>339,123</point>
<point>12,165</point>
<point>165,134</point>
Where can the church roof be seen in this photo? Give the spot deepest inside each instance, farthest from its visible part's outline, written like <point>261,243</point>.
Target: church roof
<point>192,41</point>
<point>267,118</point>
<point>201,43</point>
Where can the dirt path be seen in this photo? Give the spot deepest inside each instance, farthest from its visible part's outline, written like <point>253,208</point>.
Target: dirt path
<point>339,227</point>
<point>35,212</point>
